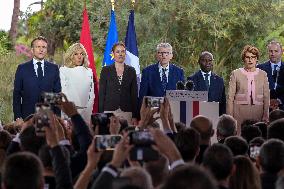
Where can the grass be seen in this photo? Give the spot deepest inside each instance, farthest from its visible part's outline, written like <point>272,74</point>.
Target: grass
<point>8,66</point>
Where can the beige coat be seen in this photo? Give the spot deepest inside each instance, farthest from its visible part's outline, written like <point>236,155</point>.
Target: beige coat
<point>238,92</point>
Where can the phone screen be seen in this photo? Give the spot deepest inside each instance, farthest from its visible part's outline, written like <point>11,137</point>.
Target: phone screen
<point>107,142</point>
<point>254,151</point>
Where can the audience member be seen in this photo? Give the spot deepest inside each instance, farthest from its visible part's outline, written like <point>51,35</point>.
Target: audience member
<point>263,128</point>
<point>158,170</point>
<point>205,128</point>
<point>5,139</point>
<point>249,132</point>
<point>254,148</point>
<point>188,142</point>
<point>226,126</point>
<point>276,114</point>
<point>280,182</point>
<point>218,159</point>
<point>23,170</point>
<point>245,175</point>
<point>138,177</point>
<point>190,177</point>
<point>276,129</point>
<point>271,161</point>
<point>237,144</point>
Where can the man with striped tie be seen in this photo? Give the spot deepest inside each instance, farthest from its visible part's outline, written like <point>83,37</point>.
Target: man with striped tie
<point>161,76</point>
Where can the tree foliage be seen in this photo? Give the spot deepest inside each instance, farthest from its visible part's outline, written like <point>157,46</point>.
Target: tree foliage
<point>222,27</point>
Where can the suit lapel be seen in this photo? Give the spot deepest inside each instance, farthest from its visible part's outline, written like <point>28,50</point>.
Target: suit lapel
<point>33,73</point>
<point>201,82</point>
<point>157,78</point>
<point>125,73</point>
<point>213,84</point>
<point>113,74</point>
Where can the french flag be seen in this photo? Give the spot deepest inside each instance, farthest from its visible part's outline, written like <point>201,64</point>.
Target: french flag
<point>185,111</point>
<point>131,46</point>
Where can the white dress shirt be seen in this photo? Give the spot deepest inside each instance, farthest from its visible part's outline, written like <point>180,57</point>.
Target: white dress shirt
<point>166,72</point>
<point>36,66</point>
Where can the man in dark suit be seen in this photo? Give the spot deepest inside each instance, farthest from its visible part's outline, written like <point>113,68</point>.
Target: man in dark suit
<point>32,78</point>
<point>162,76</point>
<point>206,80</point>
<point>275,73</point>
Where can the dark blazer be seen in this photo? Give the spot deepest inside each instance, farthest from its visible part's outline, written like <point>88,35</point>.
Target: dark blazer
<point>216,89</point>
<point>112,95</point>
<point>279,92</point>
<point>151,84</point>
<point>28,88</point>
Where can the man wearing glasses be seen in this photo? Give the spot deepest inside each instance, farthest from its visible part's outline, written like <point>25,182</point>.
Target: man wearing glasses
<point>274,68</point>
<point>161,76</point>
<point>32,78</point>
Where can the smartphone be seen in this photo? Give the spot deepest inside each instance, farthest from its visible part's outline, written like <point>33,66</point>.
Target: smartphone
<point>254,151</point>
<point>106,142</point>
<point>42,116</point>
<point>154,102</point>
<point>141,138</point>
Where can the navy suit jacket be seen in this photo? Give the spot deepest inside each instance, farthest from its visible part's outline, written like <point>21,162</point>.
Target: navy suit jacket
<point>151,84</point>
<point>216,89</point>
<point>277,93</point>
<point>28,88</point>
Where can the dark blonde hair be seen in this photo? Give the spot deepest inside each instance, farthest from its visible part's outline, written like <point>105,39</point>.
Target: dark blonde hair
<point>250,49</point>
<point>117,44</point>
<point>68,58</point>
<point>246,175</point>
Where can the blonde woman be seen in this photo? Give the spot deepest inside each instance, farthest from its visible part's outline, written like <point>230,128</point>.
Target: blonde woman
<point>77,80</point>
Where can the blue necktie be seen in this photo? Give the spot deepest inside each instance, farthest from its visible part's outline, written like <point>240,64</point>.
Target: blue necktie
<point>207,80</point>
<point>39,71</point>
<point>164,79</point>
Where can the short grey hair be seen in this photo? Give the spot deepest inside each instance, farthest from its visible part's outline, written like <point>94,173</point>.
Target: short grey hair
<point>204,53</point>
<point>164,45</point>
<point>226,125</point>
<point>138,177</point>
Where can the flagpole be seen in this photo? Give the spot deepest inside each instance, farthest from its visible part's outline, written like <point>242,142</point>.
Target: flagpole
<point>133,3</point>
<point>112,4</point>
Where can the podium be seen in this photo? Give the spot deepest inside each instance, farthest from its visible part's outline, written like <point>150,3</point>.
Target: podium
<point>185,105</point>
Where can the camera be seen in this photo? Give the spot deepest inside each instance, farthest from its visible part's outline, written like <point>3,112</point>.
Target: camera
<point>51,98</point>
<point>154,102</point>
<point>142,150</point>
<point>106,142</point>
<point>42,116</point>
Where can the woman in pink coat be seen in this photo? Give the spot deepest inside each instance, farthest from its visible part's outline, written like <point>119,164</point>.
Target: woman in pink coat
<point>248,95</point>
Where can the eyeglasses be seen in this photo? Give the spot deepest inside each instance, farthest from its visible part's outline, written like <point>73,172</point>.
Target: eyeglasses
<point>164,53</point>
<point>250,57</point>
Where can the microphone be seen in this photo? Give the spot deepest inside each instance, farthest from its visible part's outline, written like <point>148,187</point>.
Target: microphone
<point>189,85</point>
<point>180,85</point>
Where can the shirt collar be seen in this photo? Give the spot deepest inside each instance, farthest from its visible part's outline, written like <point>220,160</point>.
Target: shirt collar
<point>203,73</point>
<point>278,64</point>
<point>167,67</point>
<point>36,61</point>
